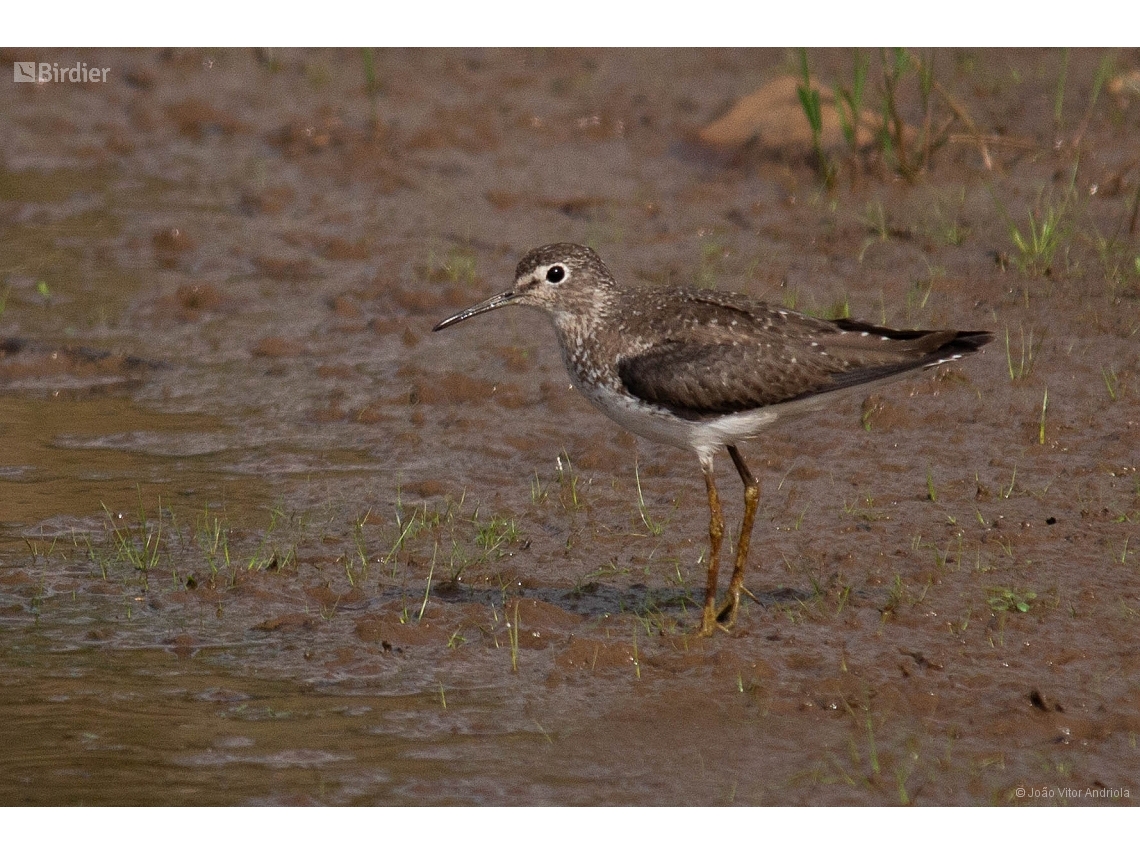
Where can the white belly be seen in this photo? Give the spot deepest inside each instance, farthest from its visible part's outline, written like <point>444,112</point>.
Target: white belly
<point>702,436</point>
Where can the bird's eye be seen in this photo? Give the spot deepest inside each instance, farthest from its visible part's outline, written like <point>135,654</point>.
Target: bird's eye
<point>555,274</point>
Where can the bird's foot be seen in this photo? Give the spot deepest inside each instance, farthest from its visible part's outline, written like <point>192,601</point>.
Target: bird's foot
<point>708,623</point>
<point>711,621</point>
<point>726,614</point>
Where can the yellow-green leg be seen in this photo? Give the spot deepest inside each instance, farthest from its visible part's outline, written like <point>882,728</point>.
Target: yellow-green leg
<point>726,616</point>
<point>716,533</point>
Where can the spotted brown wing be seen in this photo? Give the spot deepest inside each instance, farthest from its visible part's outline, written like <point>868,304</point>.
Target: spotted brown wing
<point>700,372</point>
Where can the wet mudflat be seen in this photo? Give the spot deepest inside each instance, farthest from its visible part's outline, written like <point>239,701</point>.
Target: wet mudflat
<point>264,539</point>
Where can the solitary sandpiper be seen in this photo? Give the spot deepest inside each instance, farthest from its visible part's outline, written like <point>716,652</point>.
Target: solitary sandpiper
<point>699,369</point>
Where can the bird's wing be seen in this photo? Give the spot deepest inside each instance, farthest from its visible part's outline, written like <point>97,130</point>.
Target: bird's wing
<point>707,365</point>
<point>696,378</point>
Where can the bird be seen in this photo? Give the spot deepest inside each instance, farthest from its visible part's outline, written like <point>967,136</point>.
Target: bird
<point>699,369</point>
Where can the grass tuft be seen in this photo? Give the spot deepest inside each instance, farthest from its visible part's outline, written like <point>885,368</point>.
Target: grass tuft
<point>810,101</point>
<point>1029,347</point>
<point>655,528</point>
<point>139,546</point>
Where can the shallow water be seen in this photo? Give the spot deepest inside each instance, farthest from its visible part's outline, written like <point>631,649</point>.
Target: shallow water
<point>266,539</point>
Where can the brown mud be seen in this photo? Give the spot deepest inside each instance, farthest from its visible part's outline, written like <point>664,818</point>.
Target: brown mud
<point>265,539</point>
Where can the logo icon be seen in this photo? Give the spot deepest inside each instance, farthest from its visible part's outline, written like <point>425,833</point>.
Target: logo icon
<point>52,72</point>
